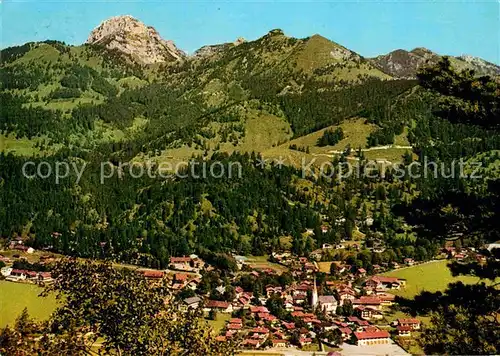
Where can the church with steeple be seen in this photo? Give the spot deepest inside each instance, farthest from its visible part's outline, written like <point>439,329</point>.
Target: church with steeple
<point>314,297</point>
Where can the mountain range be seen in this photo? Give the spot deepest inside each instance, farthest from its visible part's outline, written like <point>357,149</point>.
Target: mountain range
<point>264,95</point>
<point>143,44</point>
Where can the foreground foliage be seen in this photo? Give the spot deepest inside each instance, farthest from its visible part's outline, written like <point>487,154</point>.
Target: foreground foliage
<point>111,311</point>
<point>465,319</point>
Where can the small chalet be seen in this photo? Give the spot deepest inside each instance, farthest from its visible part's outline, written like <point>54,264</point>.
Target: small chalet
<point>404,330</point>
<point>303,341</point>
<point>192,302</point>
<point>180,278</point>
<point>367,301</point>
<point>383,282</point>
<point>220,306</point>
<point>367,313</point>
<point>280,343</point>
<point>413,323</point>
<point>186,263</point>
<point>251,343</point>
<point>346,333</point>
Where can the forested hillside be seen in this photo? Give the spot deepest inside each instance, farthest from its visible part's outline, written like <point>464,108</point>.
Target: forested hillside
<point>86,105</point>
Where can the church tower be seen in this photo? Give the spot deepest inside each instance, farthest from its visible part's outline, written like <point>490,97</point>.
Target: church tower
<point>314,297</point>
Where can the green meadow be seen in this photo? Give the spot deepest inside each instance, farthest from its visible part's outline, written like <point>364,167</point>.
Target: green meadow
<point>432,276</point>
<point>14,297</point>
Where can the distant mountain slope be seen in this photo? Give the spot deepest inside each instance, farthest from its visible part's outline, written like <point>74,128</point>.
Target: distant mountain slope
<point>131,37</point>
<point>211,50</point>
<point>478,64</point>
<point>405,64</point>
<point>290,62</point>
<point>224,97</point>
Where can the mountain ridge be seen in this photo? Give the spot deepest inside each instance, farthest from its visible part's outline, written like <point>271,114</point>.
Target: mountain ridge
<point>142,44</point>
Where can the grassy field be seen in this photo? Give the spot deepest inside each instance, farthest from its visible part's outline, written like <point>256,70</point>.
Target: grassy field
<point>355,135</point>
<point>262,132</point>
<point>324,267</point>
<point>220,321</point>
<point>432,277</point>
<point>261,262</point>
<point>22,146</point>
<point>14,297</point>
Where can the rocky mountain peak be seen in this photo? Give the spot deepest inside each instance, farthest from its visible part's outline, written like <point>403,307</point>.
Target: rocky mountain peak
<point>239,41</point>
<point>275,32</point>
<point>403,64</point>
<point>130,36</point>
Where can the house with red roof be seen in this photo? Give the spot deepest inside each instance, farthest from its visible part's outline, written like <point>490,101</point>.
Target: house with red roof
<point>303,341</point>
<point>44,277</point>
<point>361,272</point>
<point>411,322</point>
<point>386,299</point>
<point>236,327</point>
<point>244,301</point>
<point>251,343</point>
<point>221,338</point>
<point>239,291</point>
<point>367,301</point>
<point>346,333</point>
<point>366,338</point>
<point>327,303</point>
<point>259,333</point>
<point>235,321</point>
<point>404,330</point>
<point>180,278</point>
<point>352,319</point>
<point>152,274</point>
<point>368,313</point>
<point>346,294</point>
<point>258,309</point>
<point>383,282</point>
<point>186,263</point>
<point>279,343</point>
<point>220,306</point>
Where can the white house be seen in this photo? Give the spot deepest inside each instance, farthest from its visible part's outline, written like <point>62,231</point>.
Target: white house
<point>6,271</point>
<point>17,275</point>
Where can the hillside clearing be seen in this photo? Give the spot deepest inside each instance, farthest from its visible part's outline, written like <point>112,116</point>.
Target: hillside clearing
<point>431,276</point>
<point>22,146</point>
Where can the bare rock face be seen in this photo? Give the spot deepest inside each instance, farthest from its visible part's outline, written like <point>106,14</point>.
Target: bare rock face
<point>131,37</point>
<point>404,64</point>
